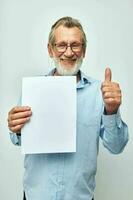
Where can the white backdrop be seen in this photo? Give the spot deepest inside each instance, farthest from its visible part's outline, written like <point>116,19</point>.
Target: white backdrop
<point>24,28</point>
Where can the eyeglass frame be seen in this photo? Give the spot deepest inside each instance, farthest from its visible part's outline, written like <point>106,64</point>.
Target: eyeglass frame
<point>69,45</point>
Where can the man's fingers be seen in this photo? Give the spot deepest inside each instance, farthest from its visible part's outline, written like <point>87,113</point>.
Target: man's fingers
<point>110,84</point>
<point>13,123</point>
<point>108,75</point>
<point>17,129</point>
<point>105,89</point>
<point>17,117</point>
<point>112,100</point>
<point>111,94</point>
<point>20,115</point>
<point>19,109</point>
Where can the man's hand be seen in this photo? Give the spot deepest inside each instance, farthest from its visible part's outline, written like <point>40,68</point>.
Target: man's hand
<point>111,93</point>
<point>17,117</point>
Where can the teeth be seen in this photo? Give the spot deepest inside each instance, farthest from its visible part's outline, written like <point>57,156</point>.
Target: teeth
<point>68,59</point>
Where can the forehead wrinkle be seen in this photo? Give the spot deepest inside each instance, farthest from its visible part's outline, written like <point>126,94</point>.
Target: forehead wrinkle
<point>68,35</point>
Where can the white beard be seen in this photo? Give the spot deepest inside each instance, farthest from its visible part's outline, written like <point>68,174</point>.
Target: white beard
<point>63,71</point>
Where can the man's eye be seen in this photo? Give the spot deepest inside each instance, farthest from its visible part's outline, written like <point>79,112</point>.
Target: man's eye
<point>76,45</point>
<point>62,45</point>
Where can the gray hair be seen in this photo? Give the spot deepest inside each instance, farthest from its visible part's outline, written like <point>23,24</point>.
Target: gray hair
<point>68,22</point>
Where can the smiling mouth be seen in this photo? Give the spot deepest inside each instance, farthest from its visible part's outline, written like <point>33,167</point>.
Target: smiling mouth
<point>68,60</point>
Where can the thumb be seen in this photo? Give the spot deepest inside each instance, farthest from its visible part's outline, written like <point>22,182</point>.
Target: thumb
<point>108,74</point>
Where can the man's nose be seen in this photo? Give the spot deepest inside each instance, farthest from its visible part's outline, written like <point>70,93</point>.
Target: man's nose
<point>68,52</point>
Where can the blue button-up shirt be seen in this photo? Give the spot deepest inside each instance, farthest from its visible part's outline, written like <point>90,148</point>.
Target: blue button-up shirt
<point>71,176</point>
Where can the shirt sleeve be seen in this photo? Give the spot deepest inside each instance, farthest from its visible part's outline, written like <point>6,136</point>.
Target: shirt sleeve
<point>114,133</point>
<point>16,139</point>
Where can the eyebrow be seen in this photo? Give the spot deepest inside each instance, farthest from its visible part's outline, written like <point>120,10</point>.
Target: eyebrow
<point>63,42</point>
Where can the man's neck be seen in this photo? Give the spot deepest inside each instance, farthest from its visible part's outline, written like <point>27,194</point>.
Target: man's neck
<point>77,75</point>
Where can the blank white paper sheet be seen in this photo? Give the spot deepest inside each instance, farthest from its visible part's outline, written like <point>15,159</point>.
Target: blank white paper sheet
<point>52,127</point>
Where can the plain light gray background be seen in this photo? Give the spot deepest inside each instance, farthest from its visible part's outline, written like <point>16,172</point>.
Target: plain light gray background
<point>24,28</point>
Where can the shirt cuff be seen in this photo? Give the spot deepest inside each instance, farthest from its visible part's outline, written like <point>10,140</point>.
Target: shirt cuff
<point>112,120</point>
<point>16,139</point>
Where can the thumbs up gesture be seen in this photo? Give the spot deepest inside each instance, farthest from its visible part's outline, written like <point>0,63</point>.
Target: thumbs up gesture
<point>111,93</point>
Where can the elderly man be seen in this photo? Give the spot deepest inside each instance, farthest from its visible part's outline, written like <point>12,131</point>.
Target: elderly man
<point>71,176</point>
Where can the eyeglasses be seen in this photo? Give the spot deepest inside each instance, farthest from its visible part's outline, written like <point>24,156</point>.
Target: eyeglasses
<point>75,47</point>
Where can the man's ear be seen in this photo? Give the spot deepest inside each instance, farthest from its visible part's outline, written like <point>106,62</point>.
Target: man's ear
<point>50,50</point>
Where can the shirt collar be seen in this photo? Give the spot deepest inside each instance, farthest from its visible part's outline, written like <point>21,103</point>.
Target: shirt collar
<point>84,80</point>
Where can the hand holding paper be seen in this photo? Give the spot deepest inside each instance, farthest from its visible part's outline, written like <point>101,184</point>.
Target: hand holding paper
<point>17,117</point>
